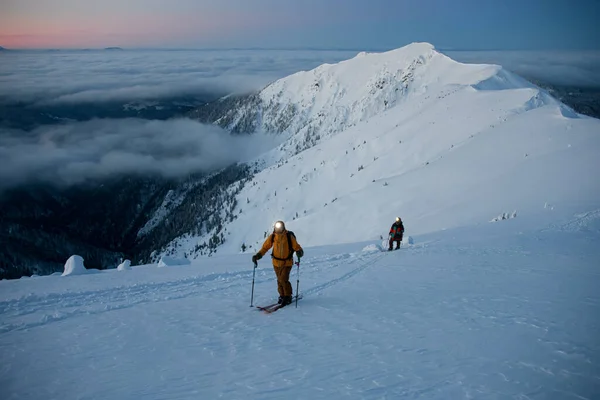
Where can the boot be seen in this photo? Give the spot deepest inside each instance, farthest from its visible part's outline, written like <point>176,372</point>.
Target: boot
<point>287,300</point>
<point>280,300</point>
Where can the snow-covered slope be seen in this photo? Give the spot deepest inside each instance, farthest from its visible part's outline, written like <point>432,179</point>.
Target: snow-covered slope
<point>504,311</point>
<point>412,133</point>
<point>472,309</point>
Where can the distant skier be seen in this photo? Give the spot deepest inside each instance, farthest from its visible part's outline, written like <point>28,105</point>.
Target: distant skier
<point>396,233</point>
<point>284,244</point>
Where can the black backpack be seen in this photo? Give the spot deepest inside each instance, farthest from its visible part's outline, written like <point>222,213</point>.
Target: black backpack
<point>289,238</point>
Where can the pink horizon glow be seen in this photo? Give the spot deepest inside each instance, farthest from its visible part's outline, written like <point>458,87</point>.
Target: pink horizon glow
<point>141,31</point>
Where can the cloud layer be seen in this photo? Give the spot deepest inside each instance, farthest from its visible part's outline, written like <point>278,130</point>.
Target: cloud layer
<point>565,68</point>
<point>73,153</point>
<point>74,77</point>
<point>94,76</point>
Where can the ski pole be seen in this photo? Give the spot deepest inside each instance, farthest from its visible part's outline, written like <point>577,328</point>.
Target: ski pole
<point>253,274</point>
<point>297,282</point>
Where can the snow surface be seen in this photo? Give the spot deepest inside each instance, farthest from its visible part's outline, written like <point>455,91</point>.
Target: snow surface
<point>74,266</point>
<point>498,311</point>
<point>166,261</point>
<point>124,266</point>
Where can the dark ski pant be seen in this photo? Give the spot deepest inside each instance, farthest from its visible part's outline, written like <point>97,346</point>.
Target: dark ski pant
<point>392,240</point>
<point>284,287</point>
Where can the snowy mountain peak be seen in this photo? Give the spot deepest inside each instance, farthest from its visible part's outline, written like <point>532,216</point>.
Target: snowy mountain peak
<point>408,132</point>
<point>412,50</point>
<point>310,106</point>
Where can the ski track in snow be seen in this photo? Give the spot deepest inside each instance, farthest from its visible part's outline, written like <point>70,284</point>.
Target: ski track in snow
<point>366,264</point>
<point>59,306</point>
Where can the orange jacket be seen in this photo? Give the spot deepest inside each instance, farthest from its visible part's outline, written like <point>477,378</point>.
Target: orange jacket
<point>279,243</point>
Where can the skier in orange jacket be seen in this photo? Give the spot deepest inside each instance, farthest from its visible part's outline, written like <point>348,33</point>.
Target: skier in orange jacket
<point>284,244</point>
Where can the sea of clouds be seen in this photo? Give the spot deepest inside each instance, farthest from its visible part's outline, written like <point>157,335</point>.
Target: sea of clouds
<point>73,77</point>
<point>562,68</point>
<point>95,76</point>
<point>72,152</point>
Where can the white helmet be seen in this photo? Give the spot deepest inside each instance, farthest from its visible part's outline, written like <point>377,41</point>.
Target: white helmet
<point>279,226</point>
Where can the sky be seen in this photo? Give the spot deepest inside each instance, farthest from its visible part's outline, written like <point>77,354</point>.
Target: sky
<point>331,24</point>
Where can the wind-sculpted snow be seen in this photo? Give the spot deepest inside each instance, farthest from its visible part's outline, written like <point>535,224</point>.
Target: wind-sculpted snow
<point>124,266</point>
<point>74,266</point>
<point>499,311</point>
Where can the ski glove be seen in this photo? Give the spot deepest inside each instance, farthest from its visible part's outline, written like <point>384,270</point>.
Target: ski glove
<point>300,253</point>
<point>256,257</point>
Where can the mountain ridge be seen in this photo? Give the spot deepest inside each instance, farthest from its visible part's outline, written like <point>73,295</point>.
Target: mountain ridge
<point>423,107</point>
<point>313,105</point>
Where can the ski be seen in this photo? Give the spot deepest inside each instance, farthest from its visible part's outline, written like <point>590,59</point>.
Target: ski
<point>271,308</point>
<point>275,306</point>
<point>263,308</point>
